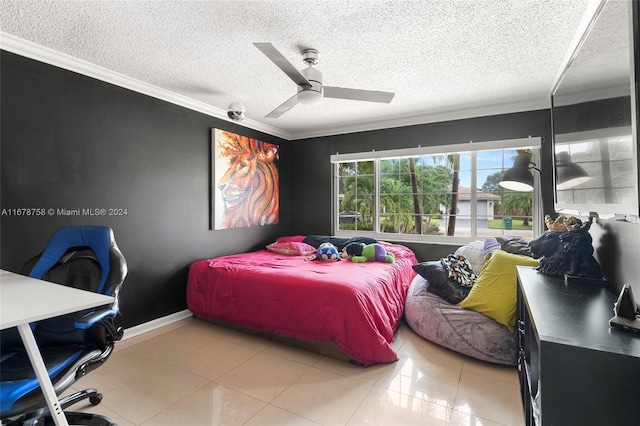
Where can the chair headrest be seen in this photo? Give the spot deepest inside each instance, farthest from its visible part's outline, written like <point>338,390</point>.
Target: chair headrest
<point>100,239</point>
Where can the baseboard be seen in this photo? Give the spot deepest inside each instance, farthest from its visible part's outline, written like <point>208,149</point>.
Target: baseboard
<point>155,324</point>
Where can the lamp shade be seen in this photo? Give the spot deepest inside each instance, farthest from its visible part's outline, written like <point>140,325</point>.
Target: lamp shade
<point>518,177</point>
<point>568,173</point>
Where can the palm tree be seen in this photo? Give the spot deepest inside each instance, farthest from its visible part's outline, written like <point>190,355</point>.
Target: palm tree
<point>357,186</point>
<point>408,189</point>
<point>395,205</point>
<point>435,182</point>
<point>417,208</point>
<point>518,202</point>
<point>454,160</point>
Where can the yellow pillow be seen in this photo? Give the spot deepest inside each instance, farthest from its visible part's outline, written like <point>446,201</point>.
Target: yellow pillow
<point>494,293</point>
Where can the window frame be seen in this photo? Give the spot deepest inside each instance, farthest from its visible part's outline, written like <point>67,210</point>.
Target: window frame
<point>534,143</point>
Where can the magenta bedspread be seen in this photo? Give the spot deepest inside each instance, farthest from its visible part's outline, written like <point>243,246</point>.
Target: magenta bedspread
<point>356,305</point>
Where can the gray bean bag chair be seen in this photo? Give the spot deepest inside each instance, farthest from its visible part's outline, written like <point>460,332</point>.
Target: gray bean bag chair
<point>462,330</point>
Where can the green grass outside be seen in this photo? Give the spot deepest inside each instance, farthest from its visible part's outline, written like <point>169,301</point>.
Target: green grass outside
<point>516,224</point>
<point>493,224</point>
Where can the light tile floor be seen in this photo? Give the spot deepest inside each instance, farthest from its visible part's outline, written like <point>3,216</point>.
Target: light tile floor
<point>197,373</point>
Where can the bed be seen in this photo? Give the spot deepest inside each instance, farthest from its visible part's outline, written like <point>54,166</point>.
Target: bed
<point>357,306</point>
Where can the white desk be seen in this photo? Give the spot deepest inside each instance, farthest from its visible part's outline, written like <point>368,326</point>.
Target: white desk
<point>24,300</point>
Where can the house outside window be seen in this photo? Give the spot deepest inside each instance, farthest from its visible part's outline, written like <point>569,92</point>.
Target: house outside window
<point>446,194</point>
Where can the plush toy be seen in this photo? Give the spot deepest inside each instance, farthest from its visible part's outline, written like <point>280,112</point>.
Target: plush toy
<point>352,249</point>
<point>563,223</point>
<point>567,253</point>
<point>373,253</point>
<point>326,252</point>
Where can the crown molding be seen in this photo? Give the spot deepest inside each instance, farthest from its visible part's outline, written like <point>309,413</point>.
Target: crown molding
<point>49,56</point>
<point>435,117</point>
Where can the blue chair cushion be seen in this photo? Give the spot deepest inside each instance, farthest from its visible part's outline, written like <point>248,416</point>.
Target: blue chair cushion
<point>95,237</point>
<point>19,378</point>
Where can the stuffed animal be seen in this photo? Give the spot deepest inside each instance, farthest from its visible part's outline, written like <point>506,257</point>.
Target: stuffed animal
<point>567,253</point>
<point>352,249</point>
<point>326,252</point>
<point>563,223</point>
<point>373,253</point>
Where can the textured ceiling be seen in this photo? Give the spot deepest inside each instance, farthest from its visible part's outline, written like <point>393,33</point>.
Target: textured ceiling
<point>438,56</point>
<point>603,62</point>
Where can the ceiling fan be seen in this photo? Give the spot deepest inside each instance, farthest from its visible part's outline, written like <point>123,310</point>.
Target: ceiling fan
<point>309,81</point>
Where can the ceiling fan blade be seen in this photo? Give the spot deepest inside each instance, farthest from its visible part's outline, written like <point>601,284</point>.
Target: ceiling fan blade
<point>282,63</point>
<point>357,94</point>
<point>286,106</point>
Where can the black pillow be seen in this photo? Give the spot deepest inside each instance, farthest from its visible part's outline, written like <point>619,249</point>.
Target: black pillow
<point>339,242</point>
<point>439,282</point>
<point>514,245</point>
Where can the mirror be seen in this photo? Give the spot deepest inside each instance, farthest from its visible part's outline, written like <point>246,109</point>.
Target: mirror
<point>593,120</point>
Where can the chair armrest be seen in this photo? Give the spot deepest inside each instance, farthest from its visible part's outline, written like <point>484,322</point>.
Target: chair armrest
<point>94,317</point>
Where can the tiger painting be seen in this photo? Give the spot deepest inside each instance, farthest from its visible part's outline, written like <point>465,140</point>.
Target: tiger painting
<point>248,191</point>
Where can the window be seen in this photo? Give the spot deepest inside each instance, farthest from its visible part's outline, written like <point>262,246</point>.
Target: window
<point>445,193</point>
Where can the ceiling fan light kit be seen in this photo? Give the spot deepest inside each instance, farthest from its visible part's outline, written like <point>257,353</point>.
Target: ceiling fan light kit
<point>311,95</point>
<point>309,82</point>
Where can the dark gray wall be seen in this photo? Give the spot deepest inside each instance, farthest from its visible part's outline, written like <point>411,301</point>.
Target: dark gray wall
<point>618,252</point>
<point>600,114</point>
<point>70,141</point>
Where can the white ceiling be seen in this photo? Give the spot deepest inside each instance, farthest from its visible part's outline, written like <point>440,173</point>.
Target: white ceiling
<point>442,58</point>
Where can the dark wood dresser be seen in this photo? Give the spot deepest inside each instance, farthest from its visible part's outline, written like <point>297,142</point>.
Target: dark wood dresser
<point>574,369</point>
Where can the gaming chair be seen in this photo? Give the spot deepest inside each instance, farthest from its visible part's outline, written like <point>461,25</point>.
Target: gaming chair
<point>85,257</point>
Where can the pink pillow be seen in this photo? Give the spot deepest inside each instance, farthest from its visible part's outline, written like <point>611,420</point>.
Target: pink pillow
<point>292,248</point>
<point>291,239</point>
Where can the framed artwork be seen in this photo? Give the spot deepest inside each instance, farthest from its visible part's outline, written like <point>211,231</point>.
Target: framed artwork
<point>245,186</point>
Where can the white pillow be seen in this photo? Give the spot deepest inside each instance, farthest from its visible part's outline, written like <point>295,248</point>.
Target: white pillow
<point>473,253</point>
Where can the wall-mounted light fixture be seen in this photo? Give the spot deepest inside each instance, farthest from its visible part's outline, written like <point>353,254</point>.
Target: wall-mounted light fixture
<point>519,177</point>
<point>568,174</point>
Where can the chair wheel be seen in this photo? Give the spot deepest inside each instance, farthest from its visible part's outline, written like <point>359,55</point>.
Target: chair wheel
<point>95,399</point>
